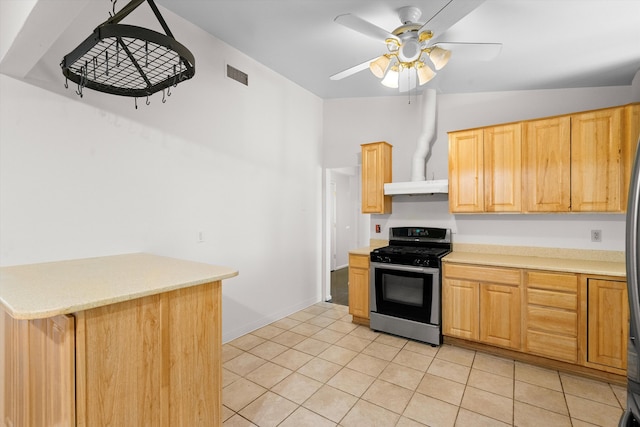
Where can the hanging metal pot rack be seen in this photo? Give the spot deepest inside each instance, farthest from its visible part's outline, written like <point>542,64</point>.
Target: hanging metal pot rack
<point>127,60</point>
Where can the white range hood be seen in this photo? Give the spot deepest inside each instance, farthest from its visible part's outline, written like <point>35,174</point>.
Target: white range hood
<point>419,184</point>
<point>417,187</point>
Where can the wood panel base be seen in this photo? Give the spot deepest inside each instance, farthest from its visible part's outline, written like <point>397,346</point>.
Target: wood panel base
<point>361,321</point>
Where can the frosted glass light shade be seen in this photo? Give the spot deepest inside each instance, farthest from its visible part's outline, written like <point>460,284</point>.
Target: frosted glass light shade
<point>379,66</point>
<point>439,57</point>
<point>424,74</point>
<point>391,78</point>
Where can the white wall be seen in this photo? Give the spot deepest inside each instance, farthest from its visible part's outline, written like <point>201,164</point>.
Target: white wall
<point>94,176</point>
<point>350,122</point>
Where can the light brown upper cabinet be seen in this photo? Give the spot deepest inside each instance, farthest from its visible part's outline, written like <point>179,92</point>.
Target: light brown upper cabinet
<point>572,163</point>
<point>485,169</point>
<point>546,161</point>
<point>466,171</point>
<point>502,168</point>
<point>376,171</point>
<point>596,164</point>
<point>630,145</point>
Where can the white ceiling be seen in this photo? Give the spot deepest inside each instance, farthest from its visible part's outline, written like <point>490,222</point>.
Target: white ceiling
<point>547,44</point>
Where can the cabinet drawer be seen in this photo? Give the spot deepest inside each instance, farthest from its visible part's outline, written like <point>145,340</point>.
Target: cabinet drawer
<point>551,320</point>
<point>554,346</point>
<point>483,274</point>
<point>552,281</point>
<point>359,261</point>
<point>552,299</point>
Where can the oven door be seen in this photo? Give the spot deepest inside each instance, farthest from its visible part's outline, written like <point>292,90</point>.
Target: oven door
<point>406,292</point>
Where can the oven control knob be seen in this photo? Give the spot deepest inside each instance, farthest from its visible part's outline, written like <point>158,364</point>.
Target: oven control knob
<point>387,259</point>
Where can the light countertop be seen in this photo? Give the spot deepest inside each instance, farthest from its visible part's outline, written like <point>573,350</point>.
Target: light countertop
<point>366,250</point>
<point>37,291</point>
<point>606,263</point>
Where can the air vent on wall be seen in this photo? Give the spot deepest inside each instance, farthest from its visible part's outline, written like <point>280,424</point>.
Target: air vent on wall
<point>237,75</point>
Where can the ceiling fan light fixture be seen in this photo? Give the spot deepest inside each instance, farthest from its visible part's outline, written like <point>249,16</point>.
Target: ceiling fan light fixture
<point>425,73</point>
<point>439,56</point>
<point>391,78</point>
<point>379,66</point>
<point>409,51</point>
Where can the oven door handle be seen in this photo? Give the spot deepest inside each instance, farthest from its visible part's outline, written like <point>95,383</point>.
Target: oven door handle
<point>400,267</point>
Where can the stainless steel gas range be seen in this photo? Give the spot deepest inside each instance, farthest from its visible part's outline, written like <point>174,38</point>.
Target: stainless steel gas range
<point>406,283</point>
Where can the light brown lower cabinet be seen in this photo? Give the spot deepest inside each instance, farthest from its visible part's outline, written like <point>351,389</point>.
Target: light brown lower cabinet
<point>482,304</point>
<point>578,319</point>
<point>359,288</point>
<point>551,315</point>
<point>607,323</point>
<point>154,360</point>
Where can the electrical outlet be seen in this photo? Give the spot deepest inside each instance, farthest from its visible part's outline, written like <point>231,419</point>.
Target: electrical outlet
<point>200,236</point>
<point>596,235</point>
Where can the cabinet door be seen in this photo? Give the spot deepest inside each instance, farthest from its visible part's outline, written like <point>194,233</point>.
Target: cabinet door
<point>359,286</point>
<point>547,165</point>
<point>466,171</point>
<point>632,132</point>
<point>503,168</point>
<point>596,169</point>
<point>460,307</point>
<point>607,322</point>
<point>500,315</point>
<point>376,171</point>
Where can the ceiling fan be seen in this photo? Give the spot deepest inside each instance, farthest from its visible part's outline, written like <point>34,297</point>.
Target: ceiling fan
<point>413,45</point>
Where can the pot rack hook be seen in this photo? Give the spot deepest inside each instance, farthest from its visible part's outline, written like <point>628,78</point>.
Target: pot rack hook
<point>148,102</point>
<point>163,98</point>
<point>80,82</point>
<point>135,101</point>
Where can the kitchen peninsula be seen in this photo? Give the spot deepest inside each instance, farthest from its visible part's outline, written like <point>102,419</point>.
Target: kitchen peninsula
<point>120,340</point>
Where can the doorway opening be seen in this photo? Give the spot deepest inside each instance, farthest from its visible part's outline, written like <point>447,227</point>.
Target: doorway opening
<point>344,229</point>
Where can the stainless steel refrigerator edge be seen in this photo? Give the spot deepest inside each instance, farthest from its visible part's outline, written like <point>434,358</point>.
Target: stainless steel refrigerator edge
<point>631,415</point>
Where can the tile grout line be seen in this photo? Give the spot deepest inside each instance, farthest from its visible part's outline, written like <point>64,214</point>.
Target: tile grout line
<point>360,351</point>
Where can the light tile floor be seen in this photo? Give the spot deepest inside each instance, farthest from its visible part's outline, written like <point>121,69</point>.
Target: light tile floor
<point>316,368</point>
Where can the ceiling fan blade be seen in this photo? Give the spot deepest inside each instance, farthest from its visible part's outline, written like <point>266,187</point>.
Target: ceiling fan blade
<point>472,51</point>
<point>353,70</point>
<point>364,27</point>
<point>451,13</point>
